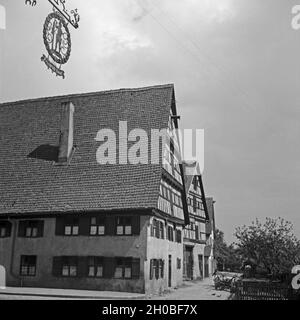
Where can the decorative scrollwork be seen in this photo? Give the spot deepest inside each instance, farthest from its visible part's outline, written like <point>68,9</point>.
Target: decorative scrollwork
<point>57,38</point>
<point>31,2</point>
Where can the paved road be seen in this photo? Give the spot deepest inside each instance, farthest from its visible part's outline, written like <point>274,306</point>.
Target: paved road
<point>190,290</point>
<point>196,290</point>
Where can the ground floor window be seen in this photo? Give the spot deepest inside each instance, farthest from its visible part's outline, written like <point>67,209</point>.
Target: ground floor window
<point>28,266</point>
<point>95,267</point>
<point>69,267</point>
<point>178,263</point>
<point>123,269</point>
<point>156,268</point>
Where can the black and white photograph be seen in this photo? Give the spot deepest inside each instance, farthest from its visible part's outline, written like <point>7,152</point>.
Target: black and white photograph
<point>149,153</point>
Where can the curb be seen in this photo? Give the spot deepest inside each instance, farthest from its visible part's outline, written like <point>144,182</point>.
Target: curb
<point>70,296</point>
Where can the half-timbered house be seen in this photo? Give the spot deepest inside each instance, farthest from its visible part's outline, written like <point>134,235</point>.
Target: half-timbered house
<point>198,234</point>
<point>67,221</point>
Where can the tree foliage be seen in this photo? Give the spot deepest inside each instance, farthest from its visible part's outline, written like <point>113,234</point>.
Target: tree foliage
<point>226,255</point>
<point>271,245</point>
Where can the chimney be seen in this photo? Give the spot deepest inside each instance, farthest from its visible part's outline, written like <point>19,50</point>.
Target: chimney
<point>66,132</point>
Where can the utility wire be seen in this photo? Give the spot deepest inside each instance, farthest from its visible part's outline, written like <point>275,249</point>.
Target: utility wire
<point>196,46</point>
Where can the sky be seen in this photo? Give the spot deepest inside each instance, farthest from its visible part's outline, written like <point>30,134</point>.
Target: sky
<point>235,66</point>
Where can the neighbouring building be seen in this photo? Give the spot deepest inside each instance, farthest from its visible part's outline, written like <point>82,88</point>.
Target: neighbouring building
<point>67,221</point>
<point>199,233</point>
<point>211,230</point>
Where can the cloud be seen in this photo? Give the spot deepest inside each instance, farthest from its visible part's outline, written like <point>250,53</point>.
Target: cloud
<point>107,27</point>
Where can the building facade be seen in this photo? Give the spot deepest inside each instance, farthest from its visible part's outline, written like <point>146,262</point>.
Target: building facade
<point>67,221</point>
<point>198,234</point>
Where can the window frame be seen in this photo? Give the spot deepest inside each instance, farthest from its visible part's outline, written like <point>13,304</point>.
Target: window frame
<point>70,261</point>
<point>171,233</point>
<point>97,262</point>
<point>123,264</point>
<point>7,227</point>
<point>28,265</point>
<point>123,224</point>
<point>71,223</point>
<point>100,222</point>
<point>31,225</point>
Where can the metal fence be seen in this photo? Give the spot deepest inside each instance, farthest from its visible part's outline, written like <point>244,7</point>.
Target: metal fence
<point>247,290</point>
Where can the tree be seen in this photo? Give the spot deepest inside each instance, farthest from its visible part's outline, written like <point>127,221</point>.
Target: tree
<point>271,245</point>
<point>225,255</point>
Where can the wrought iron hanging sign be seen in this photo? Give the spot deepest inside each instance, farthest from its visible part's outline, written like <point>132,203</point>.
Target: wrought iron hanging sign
<point>57,38</point>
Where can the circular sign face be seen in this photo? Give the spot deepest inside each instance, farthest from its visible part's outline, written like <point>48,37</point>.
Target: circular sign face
<point>57,38</point>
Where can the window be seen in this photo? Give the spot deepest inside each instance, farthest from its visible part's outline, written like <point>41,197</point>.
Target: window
<point>178,236</point>
<point>170,233</point>
<point>161,268</point>
<point>5,229</point>
<point>31,228</point>
<point>97,227</point>
<point>95,267</point>
<point>197,232</point>
<point>71,227</point>
<point>124,226</point>
<point>28,266</point>
<point>178,263</point>
<point>195,183</point>
<point>158,229</point>
<point>69,266</point>
<point>161,230</point>
<point>127,268</point>
<point>156,268</point>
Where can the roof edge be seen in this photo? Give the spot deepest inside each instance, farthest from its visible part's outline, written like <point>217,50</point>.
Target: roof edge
<point>88,94</point>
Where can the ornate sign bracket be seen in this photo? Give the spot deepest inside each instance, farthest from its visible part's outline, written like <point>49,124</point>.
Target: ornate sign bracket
<point>31,2</point>
<point>56,35</point>
<point>57,38</point>
<point>72,17</point>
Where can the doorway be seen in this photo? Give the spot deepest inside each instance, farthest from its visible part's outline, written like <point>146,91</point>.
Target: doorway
<point>206,267</point>
<point>200,261</point>
<point>170,271</point>
<point>188,262</point>
<point>2,277</point>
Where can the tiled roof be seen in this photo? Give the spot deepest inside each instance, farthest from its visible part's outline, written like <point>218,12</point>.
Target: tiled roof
<point>31,185</point>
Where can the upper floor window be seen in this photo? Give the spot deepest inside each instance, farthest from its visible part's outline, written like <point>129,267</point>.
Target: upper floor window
<point>124,226</point>
<point>158,229</point>
<point>178,236</point>
<point>71,227</point>
<point>5,229</point>
<point>31,228</point>
<point>170,233</point>
<point>108,225</point>
<point>97,227</point>
<point>195,183</point>
<point>28,266</point>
